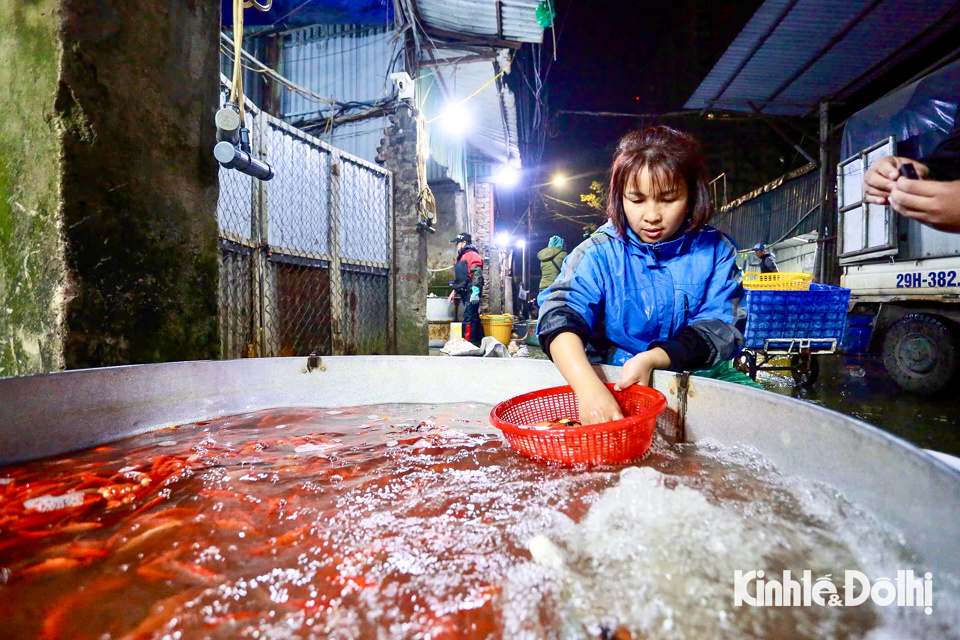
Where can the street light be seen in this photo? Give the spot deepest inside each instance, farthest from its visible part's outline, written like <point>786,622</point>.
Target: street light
<point>456,119</point>
<point>503,239</point>
<point>559,180</point>
<point>506,176</point>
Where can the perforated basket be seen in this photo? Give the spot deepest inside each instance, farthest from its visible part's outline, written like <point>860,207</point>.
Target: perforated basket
<point>817,314</point>
<point>784,281</point>
<point>615,442</point>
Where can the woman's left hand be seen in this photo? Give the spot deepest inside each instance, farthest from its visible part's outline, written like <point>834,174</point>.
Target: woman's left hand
<point>638,369</point>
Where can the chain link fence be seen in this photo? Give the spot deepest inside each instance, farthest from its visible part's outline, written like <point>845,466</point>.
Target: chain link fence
<point>305,258</point>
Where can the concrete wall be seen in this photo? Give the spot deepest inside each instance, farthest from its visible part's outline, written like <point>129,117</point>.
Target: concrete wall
<point>399,154</point>
<point>451,220</point>
<point>796,259</point>
<point>138,91</point>
<point>483,208</point>
<point>108,187</point>
<point>31,251</point>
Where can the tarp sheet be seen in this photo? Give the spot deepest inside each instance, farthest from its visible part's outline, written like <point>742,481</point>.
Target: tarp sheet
<point>299,13</point>
<point>919,115</point>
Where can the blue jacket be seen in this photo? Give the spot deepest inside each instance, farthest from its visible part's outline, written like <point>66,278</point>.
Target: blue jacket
<point>634,294</point>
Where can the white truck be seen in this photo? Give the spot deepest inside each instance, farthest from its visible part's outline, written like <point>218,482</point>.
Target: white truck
<point>906,275</point>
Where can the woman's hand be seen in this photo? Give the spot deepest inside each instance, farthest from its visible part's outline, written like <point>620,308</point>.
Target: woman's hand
<point>881,178</point>
<point>597,405</point>
<point>639,368</point>
<point>595,400</point>
<point>930,202</point>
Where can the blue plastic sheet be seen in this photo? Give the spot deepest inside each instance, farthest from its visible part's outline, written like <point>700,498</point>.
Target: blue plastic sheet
<point>919,115</point>
<point>299,13</point>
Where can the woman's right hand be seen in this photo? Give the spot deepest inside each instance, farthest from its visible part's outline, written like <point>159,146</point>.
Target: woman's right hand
<point>597,405</point>
<point>596,402</point>
<point>881,178</point>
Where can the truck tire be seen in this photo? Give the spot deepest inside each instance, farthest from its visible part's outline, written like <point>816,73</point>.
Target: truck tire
<point>920,353</point>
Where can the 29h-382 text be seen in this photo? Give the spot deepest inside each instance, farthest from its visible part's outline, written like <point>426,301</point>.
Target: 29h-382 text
<point>935,279</point>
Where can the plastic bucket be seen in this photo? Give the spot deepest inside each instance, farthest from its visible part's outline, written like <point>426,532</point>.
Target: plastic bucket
<point>498,326</point>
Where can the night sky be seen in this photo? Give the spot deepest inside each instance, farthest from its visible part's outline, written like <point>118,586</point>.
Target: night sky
<point>635,58</point>
<point>640,58</point>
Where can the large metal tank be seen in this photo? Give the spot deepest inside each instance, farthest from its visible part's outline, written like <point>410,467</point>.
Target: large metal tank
<point>900,484</point>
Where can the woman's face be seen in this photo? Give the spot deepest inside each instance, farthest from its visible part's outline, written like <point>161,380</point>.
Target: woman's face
<point>655,214</point>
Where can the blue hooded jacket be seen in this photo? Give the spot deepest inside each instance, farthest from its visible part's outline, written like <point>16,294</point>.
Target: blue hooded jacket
<point>633,294</point>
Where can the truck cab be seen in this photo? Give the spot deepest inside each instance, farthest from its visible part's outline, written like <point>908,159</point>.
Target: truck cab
<point>903,274</point>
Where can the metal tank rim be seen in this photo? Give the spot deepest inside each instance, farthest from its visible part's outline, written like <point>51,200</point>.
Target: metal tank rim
<point>903,486</point>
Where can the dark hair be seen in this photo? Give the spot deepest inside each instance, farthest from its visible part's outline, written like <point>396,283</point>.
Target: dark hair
<point>669,156</point>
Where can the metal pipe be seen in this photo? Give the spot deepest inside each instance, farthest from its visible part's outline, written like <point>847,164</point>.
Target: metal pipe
<point>824,191</point>
<point>233,157</point>
<point>773,125</point>
<point>228,124</point>
<point>526,287</point>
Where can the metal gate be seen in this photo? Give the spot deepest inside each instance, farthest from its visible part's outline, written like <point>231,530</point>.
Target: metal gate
<point>306,259</point>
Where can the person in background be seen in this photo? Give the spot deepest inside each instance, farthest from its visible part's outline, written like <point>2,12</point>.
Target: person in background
<point>550,260</point>
<point>932,197</point>
<point>768,264</point>
<point>655,287</point>
<point>468,284</point>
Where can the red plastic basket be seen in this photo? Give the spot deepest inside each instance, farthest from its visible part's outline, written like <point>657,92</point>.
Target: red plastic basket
<point>614,442</point>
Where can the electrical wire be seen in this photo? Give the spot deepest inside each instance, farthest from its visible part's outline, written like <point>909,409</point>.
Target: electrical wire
<point>568,203</point>
<point>236,89</point>
<point>276,76</point>
<point>482,87</point>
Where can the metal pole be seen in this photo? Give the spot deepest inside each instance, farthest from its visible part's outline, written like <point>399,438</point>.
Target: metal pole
<point>508,283</point>
<point>336,264</point>
<point>820,269</point>
<point>525,286</point>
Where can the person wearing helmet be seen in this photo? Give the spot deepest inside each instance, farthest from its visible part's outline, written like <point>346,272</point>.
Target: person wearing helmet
<point>768,264</point>
<point>468,284</point>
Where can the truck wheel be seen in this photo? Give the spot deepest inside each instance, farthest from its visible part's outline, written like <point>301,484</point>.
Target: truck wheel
<point>920,353</point>
<point>803,375</point>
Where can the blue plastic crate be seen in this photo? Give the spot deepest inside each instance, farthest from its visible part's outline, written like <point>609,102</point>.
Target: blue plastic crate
<point>820,313</point>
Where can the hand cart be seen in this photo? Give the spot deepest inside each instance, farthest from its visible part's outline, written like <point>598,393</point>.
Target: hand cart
<point>800,324</point>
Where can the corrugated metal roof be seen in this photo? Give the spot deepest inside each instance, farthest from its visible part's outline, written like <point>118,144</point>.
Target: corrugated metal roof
<point>793,53</point>
<point>346,62</point>
<point>447,152</point>
<point>479,17</point>
<point>488,134</point>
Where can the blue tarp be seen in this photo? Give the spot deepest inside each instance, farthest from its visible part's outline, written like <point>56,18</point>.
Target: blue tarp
<point>919,115</point>
<point>299,13</point>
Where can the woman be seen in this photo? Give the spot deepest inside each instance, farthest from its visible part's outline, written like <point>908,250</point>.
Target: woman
<point>654,287</point>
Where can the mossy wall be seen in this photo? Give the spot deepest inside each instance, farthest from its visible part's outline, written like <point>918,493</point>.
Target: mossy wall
<point>410,251</point>
<point>31,251</point>
<point>137,98</point>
